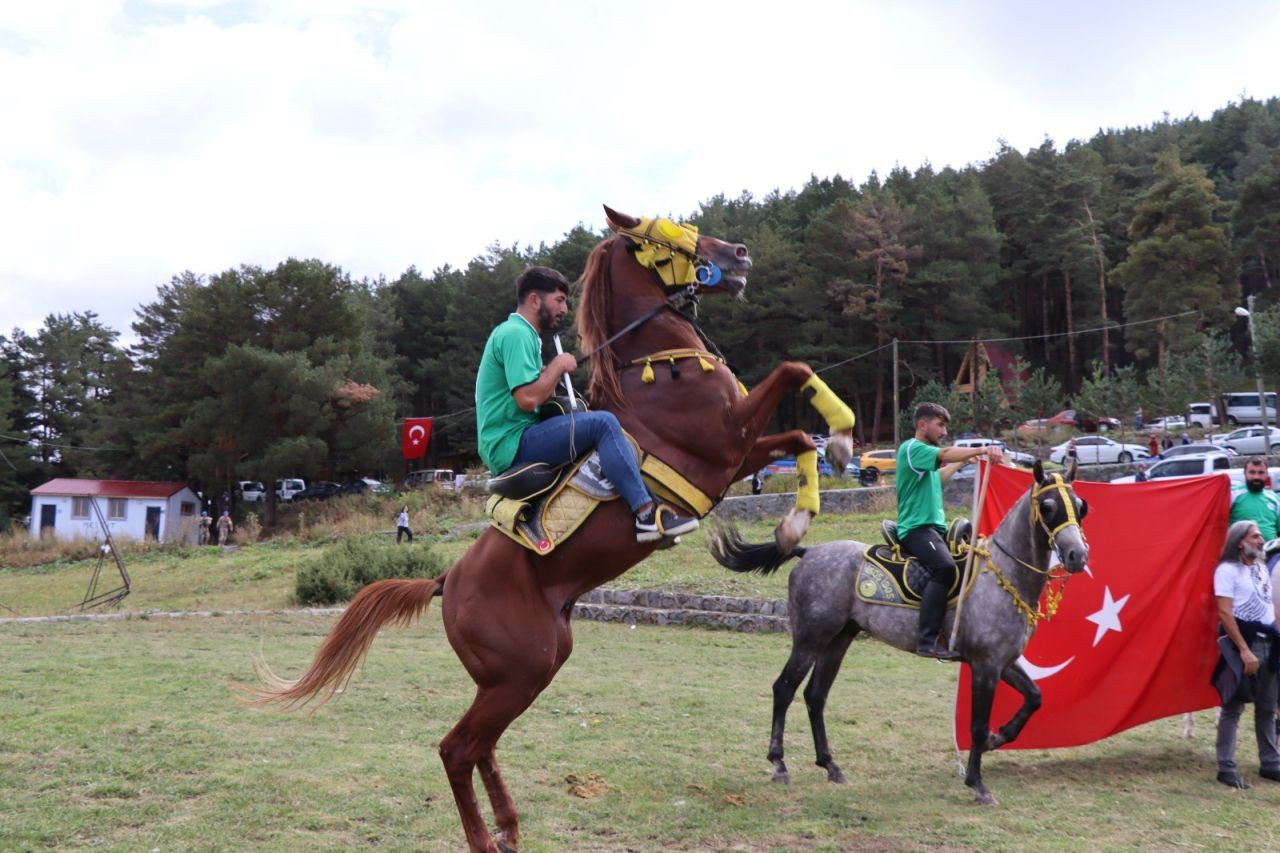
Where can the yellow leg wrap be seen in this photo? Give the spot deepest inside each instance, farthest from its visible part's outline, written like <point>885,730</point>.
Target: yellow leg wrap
<point>807,490</point>
<point>833,410</point>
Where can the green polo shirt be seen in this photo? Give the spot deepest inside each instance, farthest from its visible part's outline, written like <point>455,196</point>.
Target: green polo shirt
<point>512,357</point>
<point>919,487</point>
<point>1262,507</point>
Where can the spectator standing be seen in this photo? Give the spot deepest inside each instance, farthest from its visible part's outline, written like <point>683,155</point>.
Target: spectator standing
<point>1254,502</point>
<point>206,525</point>
<point>1247,639</point>
<point>402,524</point>
<point>1153,446</point>
<point>225,527</point>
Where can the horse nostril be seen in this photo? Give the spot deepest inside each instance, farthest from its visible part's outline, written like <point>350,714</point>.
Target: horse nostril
<point>740,252</point>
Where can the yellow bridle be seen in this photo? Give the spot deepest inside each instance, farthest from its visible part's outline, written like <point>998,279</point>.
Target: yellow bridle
<point>667,248</point>
<point>1054,483</point>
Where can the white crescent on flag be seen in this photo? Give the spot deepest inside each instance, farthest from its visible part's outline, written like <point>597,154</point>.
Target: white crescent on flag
<point>1039,672</point>
<point>420,432</point>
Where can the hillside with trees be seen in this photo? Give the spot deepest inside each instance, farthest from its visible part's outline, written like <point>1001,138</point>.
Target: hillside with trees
<point>1109,267</point>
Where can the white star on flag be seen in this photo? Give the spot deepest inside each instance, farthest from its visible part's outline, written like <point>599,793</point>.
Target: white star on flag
<point>1108,618</point>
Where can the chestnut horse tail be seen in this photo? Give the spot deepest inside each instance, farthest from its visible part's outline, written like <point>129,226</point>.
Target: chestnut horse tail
<point>398,602</point>
<point>736,554</point>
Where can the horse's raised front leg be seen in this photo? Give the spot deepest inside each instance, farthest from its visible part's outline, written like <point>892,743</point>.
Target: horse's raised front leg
<point>1016,677</point>
<point>815,697</point>
<point>754,410</point>
<point>799,444</point>
<point>983,688</point>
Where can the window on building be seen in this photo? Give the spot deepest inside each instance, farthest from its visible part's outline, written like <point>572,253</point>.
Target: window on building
<point>188,508</point>
<point>117,508</point>
<point>79,507</point>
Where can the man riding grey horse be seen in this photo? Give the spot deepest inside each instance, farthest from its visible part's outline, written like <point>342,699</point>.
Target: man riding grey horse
<point>922,523</point>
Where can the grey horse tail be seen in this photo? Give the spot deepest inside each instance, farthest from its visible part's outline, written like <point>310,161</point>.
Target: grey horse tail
<point>734,553</point>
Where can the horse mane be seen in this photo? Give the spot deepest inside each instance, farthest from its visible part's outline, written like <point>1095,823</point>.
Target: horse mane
<point>604,388</point>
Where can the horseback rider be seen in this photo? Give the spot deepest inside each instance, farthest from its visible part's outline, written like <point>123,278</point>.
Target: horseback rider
<point>921,520</point>
<point>512,383</point>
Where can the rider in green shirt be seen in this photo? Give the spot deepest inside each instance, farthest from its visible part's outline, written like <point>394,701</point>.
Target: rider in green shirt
<point>921,520</point>
<point>512,383</point>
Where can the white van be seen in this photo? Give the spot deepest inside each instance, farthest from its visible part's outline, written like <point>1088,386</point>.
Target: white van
<point>287,488</point>
<point>1243,408</point>
<point>1202,415</point>
<point>251,490</point>
<point>438,477</point>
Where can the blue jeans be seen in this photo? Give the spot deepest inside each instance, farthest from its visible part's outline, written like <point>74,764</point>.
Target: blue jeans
<point>565,437</point>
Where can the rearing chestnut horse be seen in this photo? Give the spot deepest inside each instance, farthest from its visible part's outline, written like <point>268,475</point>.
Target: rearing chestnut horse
<point>506,610</point>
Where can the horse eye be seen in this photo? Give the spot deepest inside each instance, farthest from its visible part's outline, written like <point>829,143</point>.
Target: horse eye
<point>1084,508</point>
<point>1049,507</point>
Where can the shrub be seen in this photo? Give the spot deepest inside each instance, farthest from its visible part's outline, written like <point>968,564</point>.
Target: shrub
<point>348,566</point>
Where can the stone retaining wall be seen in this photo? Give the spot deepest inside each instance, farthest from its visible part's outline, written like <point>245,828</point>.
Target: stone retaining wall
<point>659,607</point>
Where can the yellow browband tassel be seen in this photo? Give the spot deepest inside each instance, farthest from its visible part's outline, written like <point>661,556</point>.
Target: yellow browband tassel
<point>646,376</point>
<point>706,365</point>
<point>742,388</point>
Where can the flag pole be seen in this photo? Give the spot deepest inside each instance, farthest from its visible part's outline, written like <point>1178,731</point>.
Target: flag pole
<point>973,547</point>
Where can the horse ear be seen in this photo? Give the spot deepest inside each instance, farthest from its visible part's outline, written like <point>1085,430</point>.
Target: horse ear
<point>1070,473</point>
<point>1038,470</point>
<point>619,220</point>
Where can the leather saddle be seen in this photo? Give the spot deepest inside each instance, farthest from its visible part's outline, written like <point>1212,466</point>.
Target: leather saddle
<point>890,576</point>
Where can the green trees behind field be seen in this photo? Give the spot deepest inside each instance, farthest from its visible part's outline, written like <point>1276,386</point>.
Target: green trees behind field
<point>1062,253</point>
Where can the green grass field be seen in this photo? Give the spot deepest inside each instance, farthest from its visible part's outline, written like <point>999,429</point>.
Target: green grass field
<point>124,734</point>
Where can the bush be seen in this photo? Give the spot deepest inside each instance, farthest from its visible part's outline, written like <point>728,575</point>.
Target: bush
<point>352,564</point>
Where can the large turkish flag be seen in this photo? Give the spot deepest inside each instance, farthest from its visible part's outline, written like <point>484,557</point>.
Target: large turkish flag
<point>1133,639</point>
<point>414,436</point>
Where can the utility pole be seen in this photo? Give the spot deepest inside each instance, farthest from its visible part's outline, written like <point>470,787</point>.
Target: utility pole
<point>1257,374</point>
<point>897,439</point>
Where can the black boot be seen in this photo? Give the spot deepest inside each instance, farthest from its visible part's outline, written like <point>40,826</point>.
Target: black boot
<point>933,608</point>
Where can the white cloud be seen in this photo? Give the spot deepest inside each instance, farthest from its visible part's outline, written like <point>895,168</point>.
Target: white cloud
<point>152,137</point>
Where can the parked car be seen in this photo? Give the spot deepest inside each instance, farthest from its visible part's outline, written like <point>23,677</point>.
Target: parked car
<point>1016,457</point>
<point>287,488</point>
<point>439,477</point>
<point>1250,441</point>
<point>251,490</point>
<point>355,487</point>
<point>1169,423</point>
<point>1070,418</point>
<point>884,461</point>
<point>1195,465</point>
<point>1195,450</point>
<point>376,486</point>
<point>788,466</point>
<point>318,491</point>
<point>1097,449</point>
<point>1243,408</point>
<point>1202,415</point>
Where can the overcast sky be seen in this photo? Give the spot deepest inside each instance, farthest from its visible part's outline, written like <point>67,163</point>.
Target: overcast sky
<point>141,139</point>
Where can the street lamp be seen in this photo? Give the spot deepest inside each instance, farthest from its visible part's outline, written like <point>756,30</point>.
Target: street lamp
<point>1257,372</point>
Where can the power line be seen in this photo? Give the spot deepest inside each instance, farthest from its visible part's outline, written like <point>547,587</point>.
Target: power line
<point>37,441</point>
<point>1055,334</point>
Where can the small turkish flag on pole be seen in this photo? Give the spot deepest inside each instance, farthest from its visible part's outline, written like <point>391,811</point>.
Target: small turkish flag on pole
<point>414,436</point>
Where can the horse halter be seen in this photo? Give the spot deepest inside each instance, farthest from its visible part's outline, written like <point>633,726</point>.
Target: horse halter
<point>670,250</point>
<point>1055,483</point>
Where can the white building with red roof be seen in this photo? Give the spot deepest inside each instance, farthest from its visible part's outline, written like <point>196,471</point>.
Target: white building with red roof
<point>76,509</point>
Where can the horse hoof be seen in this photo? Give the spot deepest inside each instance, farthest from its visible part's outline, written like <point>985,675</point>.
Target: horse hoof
<point>986,798</point>
<point>834,775</point>
<point>781,776</point>
<point>506,844</point>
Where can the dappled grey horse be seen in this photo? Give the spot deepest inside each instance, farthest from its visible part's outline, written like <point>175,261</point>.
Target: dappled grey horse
<point>999,614</point>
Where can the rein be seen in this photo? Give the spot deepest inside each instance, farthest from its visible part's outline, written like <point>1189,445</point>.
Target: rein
<point>687,294</point>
